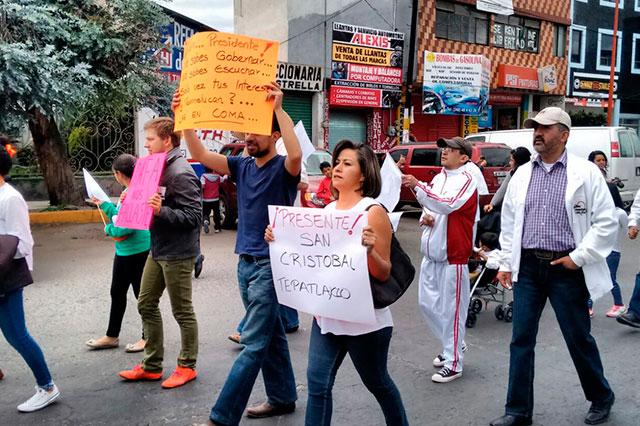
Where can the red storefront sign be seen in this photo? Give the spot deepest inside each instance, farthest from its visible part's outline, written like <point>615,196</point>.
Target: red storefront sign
<point>514,77</point>
<point>353,96</point>
<point>501,98</point>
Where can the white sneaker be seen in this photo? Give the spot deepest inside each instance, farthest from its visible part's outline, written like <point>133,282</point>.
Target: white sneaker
<point>41,399</point>
<point>446,375</point>
<point>438,361</point>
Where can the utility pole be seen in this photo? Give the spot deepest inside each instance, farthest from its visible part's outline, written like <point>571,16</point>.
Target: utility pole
<point>410,63</point>
<point>612,72</point>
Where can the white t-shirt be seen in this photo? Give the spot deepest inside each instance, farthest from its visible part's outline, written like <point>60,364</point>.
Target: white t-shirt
<point>14,220</point>
<point>338,327</point>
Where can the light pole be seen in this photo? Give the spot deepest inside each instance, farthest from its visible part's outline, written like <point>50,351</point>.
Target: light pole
<point>612,72</point>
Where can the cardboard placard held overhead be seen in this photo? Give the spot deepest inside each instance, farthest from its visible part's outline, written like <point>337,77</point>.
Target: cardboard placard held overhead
<point>222,83</point>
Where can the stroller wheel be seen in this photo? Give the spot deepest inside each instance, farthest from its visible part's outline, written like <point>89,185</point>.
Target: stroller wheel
<point>499,312</point>
<point>508,314</point>
<point>476,305</point>
<point>471,319</point>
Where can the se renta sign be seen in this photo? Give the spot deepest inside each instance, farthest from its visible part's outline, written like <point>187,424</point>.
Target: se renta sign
<point>319,264</point>
<point>455,83</point>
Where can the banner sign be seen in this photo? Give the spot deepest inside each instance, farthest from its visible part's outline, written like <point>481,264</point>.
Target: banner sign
<point>135,212</point>
<point>298,77</point>
<point>499,7</point>
<point>319,264</point>
<point>455,84</point>
<point>369,62</point>
<point>222,83</point>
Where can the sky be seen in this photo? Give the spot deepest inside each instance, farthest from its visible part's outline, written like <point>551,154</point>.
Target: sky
<point>218,14</point>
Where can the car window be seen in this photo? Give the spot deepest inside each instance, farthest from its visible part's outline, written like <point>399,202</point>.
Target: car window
<point>496,156</point>
<point>312,165</point>
<point>626,143</point>
<point>226,151</point>
<point>476,138</point>
<point>636,142</point>
<point>425,157</point>
<point>397,153</point>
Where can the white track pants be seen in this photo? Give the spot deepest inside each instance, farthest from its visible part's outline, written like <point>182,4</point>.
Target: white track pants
<point>444,299</point>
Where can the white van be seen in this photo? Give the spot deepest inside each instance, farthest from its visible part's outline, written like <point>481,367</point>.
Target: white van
<point>620,144</point>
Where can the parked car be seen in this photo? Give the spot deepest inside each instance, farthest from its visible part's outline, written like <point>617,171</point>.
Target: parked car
<point>229,196</point>
<point>422,160</point>
<point>620,144</point>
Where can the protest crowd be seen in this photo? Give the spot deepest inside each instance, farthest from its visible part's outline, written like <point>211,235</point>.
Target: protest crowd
<point>558,239</point>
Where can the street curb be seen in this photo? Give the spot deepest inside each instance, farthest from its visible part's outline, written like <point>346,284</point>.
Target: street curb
<point>65,216</point>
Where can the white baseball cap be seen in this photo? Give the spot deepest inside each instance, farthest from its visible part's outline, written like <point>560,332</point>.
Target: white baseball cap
<point>549,116</point>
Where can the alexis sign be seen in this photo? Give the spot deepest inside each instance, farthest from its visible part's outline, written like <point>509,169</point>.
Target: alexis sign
<point>319,264</point>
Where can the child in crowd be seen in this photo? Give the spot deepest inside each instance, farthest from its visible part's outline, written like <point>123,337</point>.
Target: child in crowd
<point>210,181</point>
<point>487,255</point>
<point>324,195</point>
<point>132,249</point>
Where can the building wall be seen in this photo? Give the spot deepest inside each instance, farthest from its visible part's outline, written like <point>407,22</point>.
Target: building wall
<point>551,10</point>
<point>263,19</point>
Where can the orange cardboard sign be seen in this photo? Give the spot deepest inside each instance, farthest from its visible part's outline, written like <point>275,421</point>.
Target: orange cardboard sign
<point>222,83</point>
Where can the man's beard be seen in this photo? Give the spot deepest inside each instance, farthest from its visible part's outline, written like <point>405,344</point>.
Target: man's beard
<point>259,153</point>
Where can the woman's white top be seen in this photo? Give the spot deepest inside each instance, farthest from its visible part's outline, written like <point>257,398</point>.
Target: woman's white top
<point>14,220</point>
<point>338,327</point>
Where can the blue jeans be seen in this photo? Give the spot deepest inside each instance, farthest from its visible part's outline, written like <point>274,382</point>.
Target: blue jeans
<point>634,303</point>
<point>368,353</point>
<point>289,317</point>
<point>265,347</point>
<point>613,261</point>
<point>15,331</point>
<point>568,294</point>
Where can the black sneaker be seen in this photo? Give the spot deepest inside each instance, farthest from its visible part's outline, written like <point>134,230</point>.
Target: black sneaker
<point>630,319</point>
<point>446,375</point>
<point>197,268</point>
<point>205,225</point>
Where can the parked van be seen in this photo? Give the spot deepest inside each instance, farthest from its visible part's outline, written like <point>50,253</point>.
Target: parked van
<point>620,144</point>
<point>422,160</point>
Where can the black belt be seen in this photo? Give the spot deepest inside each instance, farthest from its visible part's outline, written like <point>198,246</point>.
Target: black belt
<point>545,254</point>
<point>252,259</point>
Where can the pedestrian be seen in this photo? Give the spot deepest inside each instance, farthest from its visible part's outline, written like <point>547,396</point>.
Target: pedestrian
<point>632,316</point>
<point>517,158</point>
<point>16,264</point>
<point>450,206</point>
<point>210,181</point>
<point>175,234</point>
<point>557,229</point>
<point>323,194</point>
<point>262,178</point>
<point>357,181</point>
<point>132,250</point>
<point>613,260</point>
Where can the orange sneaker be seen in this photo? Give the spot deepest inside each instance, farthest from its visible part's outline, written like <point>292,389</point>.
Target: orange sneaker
<point>179,377</point>
<point>137,373</point>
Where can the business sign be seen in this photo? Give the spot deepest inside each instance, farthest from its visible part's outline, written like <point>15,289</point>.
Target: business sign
<point>170,55</point>
<point>367,65</point>
<point>306,78</point>
<point>485,121</point>
<point>469,125</point>
<point>499,7</point>
<point>455,84</point>
<point>592,85</point>
<point>513,77</point>
<point>548,78</point>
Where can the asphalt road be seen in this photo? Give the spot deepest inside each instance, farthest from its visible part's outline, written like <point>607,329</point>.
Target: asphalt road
<point>69,304</point>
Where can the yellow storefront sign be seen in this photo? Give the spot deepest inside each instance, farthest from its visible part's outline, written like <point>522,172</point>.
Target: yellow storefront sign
<point>361,55</point>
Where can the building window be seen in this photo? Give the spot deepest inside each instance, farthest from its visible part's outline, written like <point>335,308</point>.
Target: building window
<point>636,6</point>
<point>605,47</point>
<point>635,54</point>
<point>559,40</point>
<point>512,32</point>
<point>578,43</point>
<point>612,3</point>
<point>461,23</point>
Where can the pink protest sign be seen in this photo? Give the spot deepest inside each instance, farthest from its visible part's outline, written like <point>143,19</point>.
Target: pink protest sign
<point>135,212</point>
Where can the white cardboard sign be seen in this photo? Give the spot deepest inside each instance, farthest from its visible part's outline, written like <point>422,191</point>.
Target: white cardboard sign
<point>93,188</point>
<point>319,264</point>
<point>391,183</point>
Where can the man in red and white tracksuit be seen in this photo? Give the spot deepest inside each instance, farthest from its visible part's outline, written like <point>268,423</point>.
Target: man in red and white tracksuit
<point>450,202</point>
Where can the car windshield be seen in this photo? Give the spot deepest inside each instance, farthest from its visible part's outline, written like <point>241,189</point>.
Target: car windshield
<point>312,165</point>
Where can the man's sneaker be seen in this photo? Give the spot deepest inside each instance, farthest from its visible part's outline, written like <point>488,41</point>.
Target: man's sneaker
<point>197,268</point>
<point>205,225</point>
<point>438,361</point>
<point>616,311</point>
<point>591,313</point>
<point>216,231</point>
<point>629,318</point>
<point>137,373</point>
<point>179,377</point>
<point>41,399</point>
<point>446,375</point>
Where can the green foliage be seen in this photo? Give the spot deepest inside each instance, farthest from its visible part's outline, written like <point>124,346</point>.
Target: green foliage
<point>78,137</point>
<point>583,119</point>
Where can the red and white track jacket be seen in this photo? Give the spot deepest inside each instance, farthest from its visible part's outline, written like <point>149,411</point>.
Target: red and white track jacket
<point>452,199</point>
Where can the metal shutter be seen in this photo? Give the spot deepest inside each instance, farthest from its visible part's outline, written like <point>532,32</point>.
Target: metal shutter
<point>298,106</point>
<point>346,125</point>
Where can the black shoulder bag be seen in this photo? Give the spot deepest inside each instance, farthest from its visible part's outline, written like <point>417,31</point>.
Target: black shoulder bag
<point>402,273</point>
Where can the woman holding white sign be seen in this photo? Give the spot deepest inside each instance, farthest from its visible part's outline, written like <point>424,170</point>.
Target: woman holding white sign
<point>356,182</point>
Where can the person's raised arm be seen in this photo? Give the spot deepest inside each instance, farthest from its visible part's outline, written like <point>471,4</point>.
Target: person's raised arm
<point>213,160</point>
<point>293,163</point>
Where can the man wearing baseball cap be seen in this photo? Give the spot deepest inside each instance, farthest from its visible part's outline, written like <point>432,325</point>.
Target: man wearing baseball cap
<point>557,230</point>
<point>449,202</point>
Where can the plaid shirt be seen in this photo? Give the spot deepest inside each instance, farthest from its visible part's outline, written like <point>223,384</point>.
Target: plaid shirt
<point>546,224</point>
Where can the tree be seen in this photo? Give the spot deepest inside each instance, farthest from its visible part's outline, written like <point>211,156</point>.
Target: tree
<point>58,56</point>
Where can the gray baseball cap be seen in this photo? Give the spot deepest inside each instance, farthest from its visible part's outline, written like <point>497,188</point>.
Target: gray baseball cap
<point>456,143</point>
<point>549,116</point>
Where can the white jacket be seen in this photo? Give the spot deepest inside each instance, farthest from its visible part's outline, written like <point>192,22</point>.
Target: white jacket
<point>591,215</point>
<point>634,215</point>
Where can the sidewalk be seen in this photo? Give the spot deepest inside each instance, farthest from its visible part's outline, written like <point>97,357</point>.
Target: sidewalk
<point>87,215</point>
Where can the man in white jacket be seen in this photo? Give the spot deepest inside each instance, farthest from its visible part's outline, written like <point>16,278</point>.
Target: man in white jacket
<point>558,227</point>
<point>450,203</point>
<point>632,316</point>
